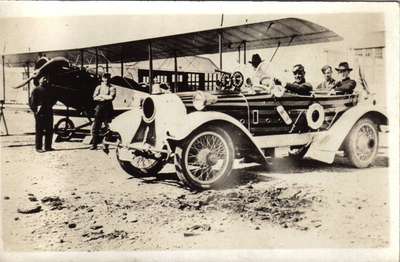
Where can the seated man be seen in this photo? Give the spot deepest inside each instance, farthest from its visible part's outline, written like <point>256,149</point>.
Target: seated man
<point>299,86</point>
<point>345,85</point>
<point>328,82</point>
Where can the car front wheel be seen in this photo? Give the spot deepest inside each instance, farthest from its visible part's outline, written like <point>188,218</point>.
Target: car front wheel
<point>138,165</point>
<point>204,160</point>
<point>361,144</point>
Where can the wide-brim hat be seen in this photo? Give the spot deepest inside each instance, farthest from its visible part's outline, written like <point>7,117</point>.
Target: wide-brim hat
<point>256,59</point>
<point>343,66</point>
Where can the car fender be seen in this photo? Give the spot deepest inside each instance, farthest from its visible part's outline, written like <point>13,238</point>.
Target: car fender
<point>325,145</point>
<point>169,113</point>
<point>127,123</point>
<point>195,120</point>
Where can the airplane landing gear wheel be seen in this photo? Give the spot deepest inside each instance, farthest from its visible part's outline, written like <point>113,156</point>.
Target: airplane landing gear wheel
<point>64,128</point>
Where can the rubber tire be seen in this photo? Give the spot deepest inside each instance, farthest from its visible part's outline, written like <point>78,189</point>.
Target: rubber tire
<point>140,172</point>
<point>349,144</point>
<point>181,166</point>
<point>59,131</point>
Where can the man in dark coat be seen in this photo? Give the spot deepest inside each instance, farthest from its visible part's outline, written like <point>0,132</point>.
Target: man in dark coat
<point>41,102</point>
<point>299,86</point>
<point>345,85</point>
<point>103,96</point>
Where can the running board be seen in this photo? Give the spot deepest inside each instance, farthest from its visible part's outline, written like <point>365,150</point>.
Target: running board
<point>272,141</point>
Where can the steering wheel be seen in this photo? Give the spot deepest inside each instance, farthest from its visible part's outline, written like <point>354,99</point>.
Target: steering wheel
<point>225,82</point>
<point>237,79</point>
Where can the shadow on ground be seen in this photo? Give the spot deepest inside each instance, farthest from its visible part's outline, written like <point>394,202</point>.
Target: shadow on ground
<point>259,173</point>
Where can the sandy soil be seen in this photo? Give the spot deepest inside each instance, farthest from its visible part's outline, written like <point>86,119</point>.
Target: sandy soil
<point>81,200</point>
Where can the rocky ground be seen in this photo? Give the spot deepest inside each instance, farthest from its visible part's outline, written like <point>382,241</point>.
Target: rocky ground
<point>74,199</point>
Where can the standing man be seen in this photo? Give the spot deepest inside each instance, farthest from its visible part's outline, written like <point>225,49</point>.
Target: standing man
<point>345,85</point>
<point>103,96</point>
<point>41,102</point>
<point>299,86</point>
<point>328,82</point>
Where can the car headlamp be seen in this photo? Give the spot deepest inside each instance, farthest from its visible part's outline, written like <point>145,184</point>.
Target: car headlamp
<point>201,99</point>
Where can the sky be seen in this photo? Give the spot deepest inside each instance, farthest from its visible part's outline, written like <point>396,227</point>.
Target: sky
<point>40,26</point>
<point>35,30</point>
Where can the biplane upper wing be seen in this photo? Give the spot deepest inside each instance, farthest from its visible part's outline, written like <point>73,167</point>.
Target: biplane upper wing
<point>287,31</point>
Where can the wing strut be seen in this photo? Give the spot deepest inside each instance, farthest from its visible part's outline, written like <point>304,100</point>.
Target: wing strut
<point>276,50</point>
<point>28,75</point>
<point>279,44</point>
<point>175,73</point>
<point>244,52</point>
<point>122,61</point>
<point>4,81</point>
<point>97,61</point>
<point>2,101</point>
<point>150,69</point>
<point>220,49</point>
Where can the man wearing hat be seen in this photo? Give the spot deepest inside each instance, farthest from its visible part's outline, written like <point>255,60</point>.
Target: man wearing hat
<point>328,82</point>
<point>261,73</point>
<point>103,96</point>
<point>345,85</point>
<point>299,86</point>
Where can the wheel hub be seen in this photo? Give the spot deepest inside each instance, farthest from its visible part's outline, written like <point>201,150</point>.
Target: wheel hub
<point>207,157</point>
<point>212,159</point>
<point>202,156</point>
<point>365,142</point>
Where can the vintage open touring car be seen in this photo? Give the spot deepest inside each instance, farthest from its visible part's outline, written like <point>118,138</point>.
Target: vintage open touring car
<point>203,132</point>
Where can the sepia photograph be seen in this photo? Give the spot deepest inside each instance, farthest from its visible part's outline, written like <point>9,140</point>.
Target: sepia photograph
<point>199,131</point>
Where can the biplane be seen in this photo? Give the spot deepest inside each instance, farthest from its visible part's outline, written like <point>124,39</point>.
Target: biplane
<point>101,58</point>
<point>75,74</point>
<point>205,126</point>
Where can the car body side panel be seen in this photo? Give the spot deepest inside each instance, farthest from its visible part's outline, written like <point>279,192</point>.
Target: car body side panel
<point>258,111</point>
<point>324,145</point>
<point>265,119</point>
<point>233,104</point>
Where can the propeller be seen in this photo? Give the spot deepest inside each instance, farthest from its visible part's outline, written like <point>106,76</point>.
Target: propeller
<point>35,74</point>
<point>57,61</point>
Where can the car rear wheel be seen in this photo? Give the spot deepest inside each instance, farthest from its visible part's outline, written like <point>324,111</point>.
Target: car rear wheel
<point>204,160</point>
<point>139,166</point>
<point>361,144</point>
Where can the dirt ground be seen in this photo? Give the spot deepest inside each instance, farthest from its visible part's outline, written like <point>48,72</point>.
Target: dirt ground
<point>74,199</point>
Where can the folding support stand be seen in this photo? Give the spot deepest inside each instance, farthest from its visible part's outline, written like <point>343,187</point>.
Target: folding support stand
<point>2,117</point>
